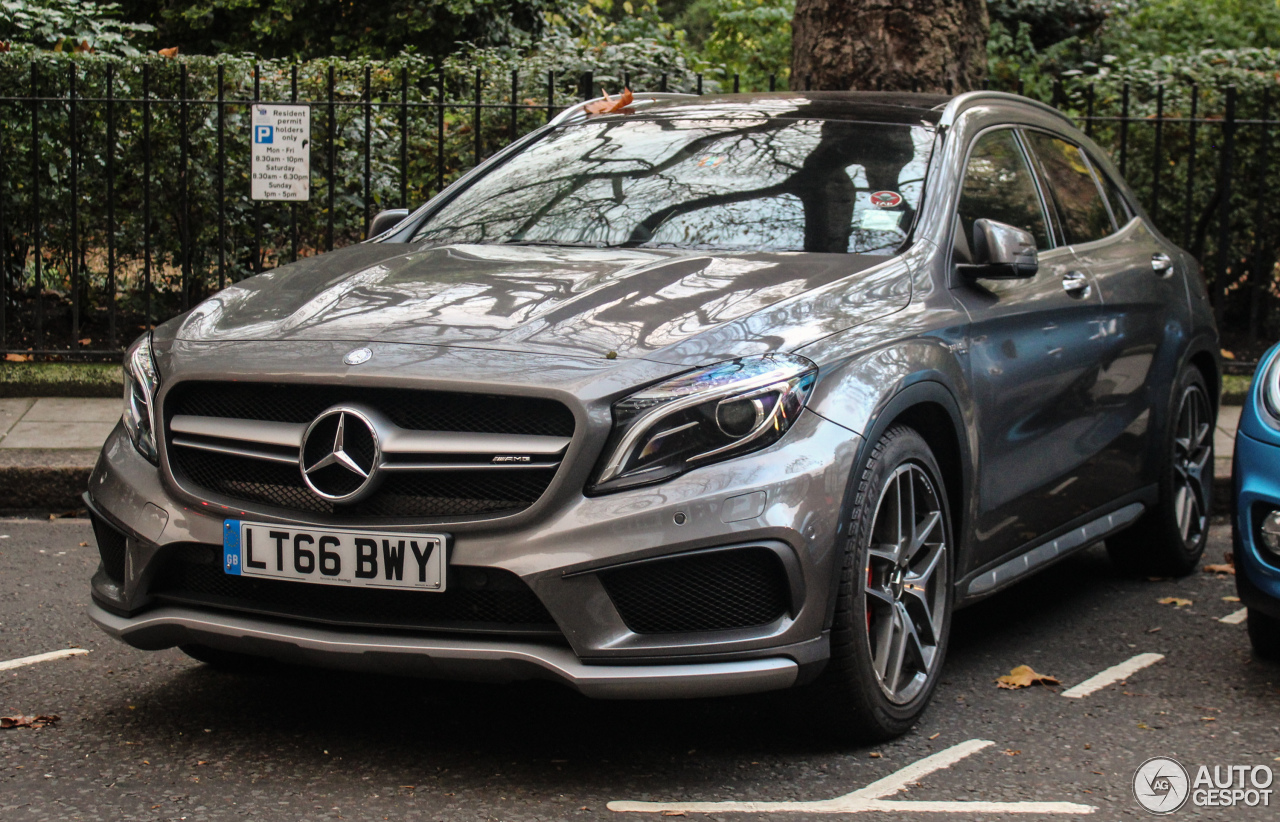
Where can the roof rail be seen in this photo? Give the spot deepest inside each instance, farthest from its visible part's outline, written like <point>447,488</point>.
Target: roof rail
<point>579,111</point>
<point>971,98</point>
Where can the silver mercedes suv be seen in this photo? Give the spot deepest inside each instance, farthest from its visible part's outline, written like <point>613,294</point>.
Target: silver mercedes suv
<point>693,397</point>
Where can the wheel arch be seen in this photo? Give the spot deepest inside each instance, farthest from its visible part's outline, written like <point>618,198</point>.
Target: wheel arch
<point>927,405</point>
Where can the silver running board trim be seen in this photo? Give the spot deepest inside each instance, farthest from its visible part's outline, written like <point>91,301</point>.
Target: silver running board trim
<point>1072,540</point>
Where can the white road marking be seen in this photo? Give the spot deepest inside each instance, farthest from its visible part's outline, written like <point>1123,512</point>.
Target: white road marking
<point>49,657</point>
<point>870,798</point>
<point>1112,675</point>
<point>1236,618</point>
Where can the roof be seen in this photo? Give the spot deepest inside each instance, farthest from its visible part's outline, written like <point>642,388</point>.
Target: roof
<point>869,106</point>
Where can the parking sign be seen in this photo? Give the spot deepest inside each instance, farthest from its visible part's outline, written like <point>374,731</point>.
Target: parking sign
<point>281,168</point>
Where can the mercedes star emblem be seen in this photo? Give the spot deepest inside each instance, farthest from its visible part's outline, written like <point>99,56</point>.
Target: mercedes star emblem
<point>340,455</point>
<point>358,356</point>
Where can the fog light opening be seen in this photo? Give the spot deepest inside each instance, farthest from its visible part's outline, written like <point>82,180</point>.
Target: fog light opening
<point>1271,532</point>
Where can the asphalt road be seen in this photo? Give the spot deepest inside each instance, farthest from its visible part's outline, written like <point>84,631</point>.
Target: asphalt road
<point>151,736</point>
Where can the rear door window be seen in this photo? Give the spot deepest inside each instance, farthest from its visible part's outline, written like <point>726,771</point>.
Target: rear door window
<point>1075,191</point>
<point>998,185</point>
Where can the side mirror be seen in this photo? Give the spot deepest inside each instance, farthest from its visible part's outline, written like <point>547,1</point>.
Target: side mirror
<point>1001,252</point>
<point>386,219</point>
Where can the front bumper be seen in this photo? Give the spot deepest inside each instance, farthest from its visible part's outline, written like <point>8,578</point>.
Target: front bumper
<point>787,497</point>
<point>465,659</point>
<point>1256,476</point>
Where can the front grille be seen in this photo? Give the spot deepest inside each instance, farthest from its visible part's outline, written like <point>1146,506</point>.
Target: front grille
<point>111,547</point>
<point>488,600</point>
<point>443,492</point>
<point>434,494</point>
<point>716,590</point>
<point>414,409</point>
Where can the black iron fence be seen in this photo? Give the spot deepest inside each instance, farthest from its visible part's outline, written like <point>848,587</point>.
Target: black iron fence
<point>124,188</point>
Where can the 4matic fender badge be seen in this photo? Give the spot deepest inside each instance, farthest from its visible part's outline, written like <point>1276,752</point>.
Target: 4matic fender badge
<point>886,199</point>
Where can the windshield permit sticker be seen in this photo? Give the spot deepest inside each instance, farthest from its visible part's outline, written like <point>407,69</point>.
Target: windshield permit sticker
<point>886,199</point>
<point>880,220</point>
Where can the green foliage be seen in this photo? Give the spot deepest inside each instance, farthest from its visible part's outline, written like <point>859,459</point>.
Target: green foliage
<point>1176,26</point>
<point>751,38</point>
<point>304,29</point>
<point>69,25</point>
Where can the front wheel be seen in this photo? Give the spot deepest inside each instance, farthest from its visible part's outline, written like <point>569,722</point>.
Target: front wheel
<point>893,612</point>
<point>1169,539</point>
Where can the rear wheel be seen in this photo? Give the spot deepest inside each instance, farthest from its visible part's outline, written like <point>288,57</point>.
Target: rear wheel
<point>1170,538</point>
<point>893,612</point>
<point>1264,633</point>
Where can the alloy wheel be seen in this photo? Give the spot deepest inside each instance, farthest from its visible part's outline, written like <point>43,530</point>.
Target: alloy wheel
<point>1192,450</point>
<point>906,577</point>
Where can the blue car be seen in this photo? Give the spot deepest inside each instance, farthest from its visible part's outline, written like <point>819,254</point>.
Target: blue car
<point>1255,527</point>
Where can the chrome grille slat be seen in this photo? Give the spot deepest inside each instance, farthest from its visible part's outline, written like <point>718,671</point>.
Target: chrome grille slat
<point>239,451</point>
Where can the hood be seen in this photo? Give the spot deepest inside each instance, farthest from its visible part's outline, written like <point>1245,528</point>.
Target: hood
<point>670,306</point>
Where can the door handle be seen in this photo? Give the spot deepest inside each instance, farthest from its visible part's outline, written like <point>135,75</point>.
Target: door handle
<point>1076,283</point>
<point>1161,264</point>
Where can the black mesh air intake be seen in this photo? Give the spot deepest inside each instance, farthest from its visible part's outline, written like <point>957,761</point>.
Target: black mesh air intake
<point>111,547</point>
<point>737,588</point>
<point>487,600</point>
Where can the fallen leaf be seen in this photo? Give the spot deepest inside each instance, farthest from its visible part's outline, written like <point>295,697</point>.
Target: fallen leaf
<point>1011,752</point>
<point>1177,602</point>
<point>1208,719</point>
<point>170,53</point>
<point>935,736</point>
<point>1227,355</point>
<point>875,755</point>
<point>1144,726</point>
<point>17,357</point>
<point>1220,569</point>
<point>674,813</point>
<point>1023,677</point>
<point>1153,630</point>
<point>84,545</point>
<point>20,721</point>
<point>1231,599</point>
<point>610,104</point>
<point>85,341</point>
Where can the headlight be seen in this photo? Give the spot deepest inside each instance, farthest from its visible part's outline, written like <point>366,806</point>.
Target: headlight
<point>1271,387</point>
<point>141,380</point>
<point>712,414</point>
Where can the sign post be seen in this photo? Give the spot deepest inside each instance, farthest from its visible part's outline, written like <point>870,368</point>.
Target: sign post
<point>281,168</point>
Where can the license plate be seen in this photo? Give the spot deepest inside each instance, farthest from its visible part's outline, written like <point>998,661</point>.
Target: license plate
<point>335,556</point>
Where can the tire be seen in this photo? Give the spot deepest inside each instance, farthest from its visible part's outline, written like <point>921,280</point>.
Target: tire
<point>880,677</point>
<point>228,661</point>
<point>1169,538</point>
<point>1264,633</point>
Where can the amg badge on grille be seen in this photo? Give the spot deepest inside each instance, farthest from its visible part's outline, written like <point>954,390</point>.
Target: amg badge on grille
<point>511,458</point>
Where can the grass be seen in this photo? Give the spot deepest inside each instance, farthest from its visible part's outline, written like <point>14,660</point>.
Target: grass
<point>56,379</point>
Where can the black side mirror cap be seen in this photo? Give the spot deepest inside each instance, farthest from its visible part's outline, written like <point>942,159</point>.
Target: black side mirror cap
<point>1001,252</point>
<point>384,220</point>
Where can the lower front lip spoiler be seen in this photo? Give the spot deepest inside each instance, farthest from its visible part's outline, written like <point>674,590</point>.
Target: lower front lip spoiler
<point>466,659</point>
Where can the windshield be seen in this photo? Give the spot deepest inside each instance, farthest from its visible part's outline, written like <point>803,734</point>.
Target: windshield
<point>723,185</point>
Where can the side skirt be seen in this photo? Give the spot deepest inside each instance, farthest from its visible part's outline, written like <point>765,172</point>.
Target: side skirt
<point>982,583</point>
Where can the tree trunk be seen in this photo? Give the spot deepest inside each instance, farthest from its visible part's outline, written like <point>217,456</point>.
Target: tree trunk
<point>890,45</point>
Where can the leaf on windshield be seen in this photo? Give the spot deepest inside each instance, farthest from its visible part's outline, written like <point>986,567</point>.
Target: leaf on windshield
<point>610,104</point>
<point>1024,677</point>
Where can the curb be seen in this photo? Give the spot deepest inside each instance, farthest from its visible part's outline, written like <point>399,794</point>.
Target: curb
<point>51,480</point>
